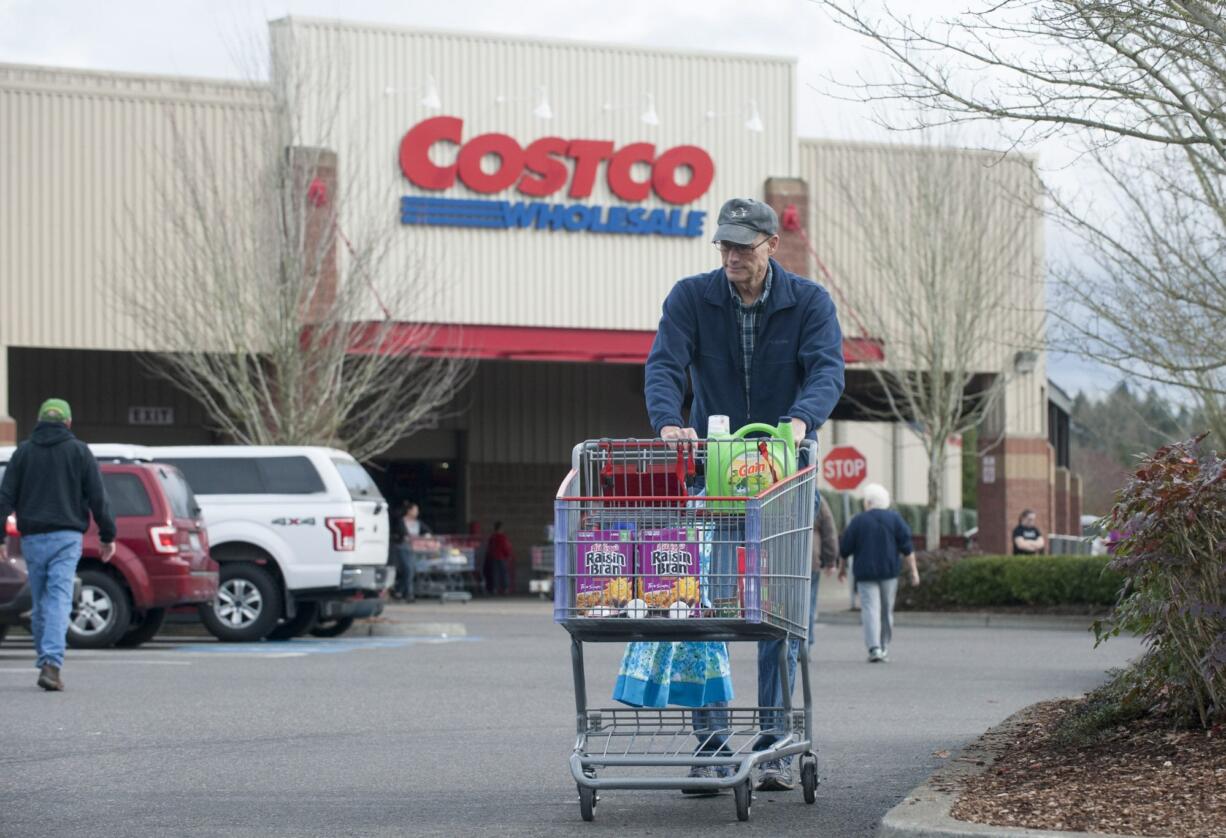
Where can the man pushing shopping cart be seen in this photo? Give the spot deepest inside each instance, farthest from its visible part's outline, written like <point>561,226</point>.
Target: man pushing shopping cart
<point>762,350</point>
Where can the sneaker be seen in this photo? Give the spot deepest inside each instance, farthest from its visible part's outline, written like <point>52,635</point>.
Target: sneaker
<point>775,775</point>
<point>885,653</point>
<point>49,678</point>
<point>875,656</point>
<point>706,772</point>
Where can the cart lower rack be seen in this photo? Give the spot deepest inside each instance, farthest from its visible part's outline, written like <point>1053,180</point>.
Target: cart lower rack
<point>643,554</point>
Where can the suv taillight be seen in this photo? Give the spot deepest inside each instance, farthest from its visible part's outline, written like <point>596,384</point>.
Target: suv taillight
<point>342,530</point>
<point>10,526</point>
<point>163,540</point>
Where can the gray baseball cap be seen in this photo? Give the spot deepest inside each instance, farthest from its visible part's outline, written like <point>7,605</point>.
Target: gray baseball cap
<point>741,219</point>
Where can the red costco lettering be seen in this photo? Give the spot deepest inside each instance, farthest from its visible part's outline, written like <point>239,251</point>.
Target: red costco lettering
<point>624,186</point>
<point>664,175</point>
<point>542,168</point>
<point>415,151</point>
<point>547,174</point>
<point>510,162</point>
<point>587,155</point>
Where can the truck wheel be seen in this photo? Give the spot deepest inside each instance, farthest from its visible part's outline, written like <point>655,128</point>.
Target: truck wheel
<point>149,626</point>
<point>332,628</point>
<point>247,606</point>
<point>101,615</point>
<point>299,624</point>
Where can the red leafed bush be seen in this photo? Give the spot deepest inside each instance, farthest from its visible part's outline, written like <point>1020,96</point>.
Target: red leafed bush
<point>1170,543</point>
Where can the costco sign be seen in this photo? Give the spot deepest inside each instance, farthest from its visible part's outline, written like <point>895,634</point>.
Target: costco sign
<point>550,167</point>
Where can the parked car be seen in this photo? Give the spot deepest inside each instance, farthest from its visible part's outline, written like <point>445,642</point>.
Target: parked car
<point>15,597</point>
<point>14,593</point>
<point>161,556</point>
<point>300,534</point>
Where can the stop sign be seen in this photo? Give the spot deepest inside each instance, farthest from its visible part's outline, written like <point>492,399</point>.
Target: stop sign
<point>844,467</point>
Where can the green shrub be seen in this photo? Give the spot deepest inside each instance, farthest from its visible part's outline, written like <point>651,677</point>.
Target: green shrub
<point>933,591</point>
<point>950,579</point>
<point>1171,517</point>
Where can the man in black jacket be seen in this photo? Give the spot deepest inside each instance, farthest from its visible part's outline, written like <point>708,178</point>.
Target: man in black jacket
<point>53,482</point>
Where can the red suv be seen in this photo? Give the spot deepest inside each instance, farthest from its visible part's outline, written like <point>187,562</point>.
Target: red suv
<point>161,558</point>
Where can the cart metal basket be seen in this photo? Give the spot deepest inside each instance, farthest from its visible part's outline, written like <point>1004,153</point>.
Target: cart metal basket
<point>442,569</point>
<point>641,553</point>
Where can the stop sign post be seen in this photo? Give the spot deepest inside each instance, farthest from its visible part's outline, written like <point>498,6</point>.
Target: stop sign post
<point>844,467</point>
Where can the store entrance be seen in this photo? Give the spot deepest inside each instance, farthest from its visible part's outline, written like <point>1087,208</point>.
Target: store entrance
<point>434,485</point>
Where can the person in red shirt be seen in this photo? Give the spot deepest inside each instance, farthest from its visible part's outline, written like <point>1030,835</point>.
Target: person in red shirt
<point>498,558</point>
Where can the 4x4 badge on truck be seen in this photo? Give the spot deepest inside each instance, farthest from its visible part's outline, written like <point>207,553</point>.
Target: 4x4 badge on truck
<point>293,522</point>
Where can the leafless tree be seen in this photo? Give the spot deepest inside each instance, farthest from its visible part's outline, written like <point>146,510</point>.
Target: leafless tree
<point>947,279</point>
<point>275,294</point>
<point>1143,86</point>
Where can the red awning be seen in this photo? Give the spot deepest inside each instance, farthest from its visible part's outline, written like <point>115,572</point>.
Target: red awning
<point>533,343</point>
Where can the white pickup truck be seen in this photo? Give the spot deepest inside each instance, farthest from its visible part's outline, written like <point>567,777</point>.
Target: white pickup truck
<point>300,533</point>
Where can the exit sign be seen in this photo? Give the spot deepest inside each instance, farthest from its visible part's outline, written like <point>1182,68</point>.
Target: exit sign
<point>151,415</point>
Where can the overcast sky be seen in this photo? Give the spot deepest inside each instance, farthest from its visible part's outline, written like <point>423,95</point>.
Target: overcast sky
<point>195,37</point>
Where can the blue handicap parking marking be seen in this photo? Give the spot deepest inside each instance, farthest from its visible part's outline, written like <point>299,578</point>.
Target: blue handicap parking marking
<point>330,646</point>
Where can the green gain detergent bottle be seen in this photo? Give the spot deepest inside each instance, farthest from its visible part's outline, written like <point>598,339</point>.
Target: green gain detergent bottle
<point>740,467</point>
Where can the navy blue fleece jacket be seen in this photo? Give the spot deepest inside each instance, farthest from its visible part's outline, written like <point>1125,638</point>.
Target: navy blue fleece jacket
<point>797,360</point>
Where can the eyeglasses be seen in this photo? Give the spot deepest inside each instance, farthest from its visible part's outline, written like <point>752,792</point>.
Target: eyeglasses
<point>739,249</point>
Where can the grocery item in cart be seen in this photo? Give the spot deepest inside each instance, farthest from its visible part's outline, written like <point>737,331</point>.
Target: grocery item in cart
<point>738,466</point>
<point>604,582</point>
<point>669,571</point>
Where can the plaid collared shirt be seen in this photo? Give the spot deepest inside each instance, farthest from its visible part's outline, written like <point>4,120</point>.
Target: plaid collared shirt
<point>750,318</point>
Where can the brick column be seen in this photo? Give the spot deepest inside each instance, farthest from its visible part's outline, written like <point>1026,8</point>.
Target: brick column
<point>8,425</point>
<point>315,175</point>
<point>789,197</point>
<point>1014,474</point>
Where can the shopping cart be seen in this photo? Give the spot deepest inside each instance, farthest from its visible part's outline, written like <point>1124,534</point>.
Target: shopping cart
<point>621,498</point>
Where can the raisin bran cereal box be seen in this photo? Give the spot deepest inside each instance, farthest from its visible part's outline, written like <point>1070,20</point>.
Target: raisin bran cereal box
<point>604,578</point>
<point>669,569</point>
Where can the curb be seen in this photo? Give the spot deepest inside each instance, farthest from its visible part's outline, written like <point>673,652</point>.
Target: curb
<point>924,813</point>
<point>958,619</point>
<point>377,627</point>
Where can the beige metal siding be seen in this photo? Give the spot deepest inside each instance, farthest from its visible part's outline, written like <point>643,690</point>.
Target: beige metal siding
<point>843,175</point>
<point>84,157</point>
<point>531,277</point>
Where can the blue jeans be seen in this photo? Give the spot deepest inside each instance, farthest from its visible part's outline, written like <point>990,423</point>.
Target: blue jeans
<point>711,727</point>
<point>770,693</point>
<point>402,560</point>
<point>51,560</point>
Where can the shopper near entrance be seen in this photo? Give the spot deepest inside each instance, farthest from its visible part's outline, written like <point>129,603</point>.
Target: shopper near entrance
<point>405,524</point>
<point>878,538</point>
<point>53,483</point>
<point>756,343</point>
<point>1027,540</point>
<point>498,558</point>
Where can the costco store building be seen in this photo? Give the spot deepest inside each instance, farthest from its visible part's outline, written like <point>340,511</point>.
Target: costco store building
<point>561,188</point>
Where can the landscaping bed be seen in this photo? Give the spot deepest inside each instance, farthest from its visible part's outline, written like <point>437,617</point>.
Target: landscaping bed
<point>1138,777</point>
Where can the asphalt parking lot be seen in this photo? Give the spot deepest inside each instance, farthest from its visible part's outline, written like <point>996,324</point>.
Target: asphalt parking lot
<point>465,734</point>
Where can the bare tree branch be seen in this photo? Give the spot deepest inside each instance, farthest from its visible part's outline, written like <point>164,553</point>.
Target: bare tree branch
<point>1143,85</point>
<point>286,312</point>
<point>948,282</point>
